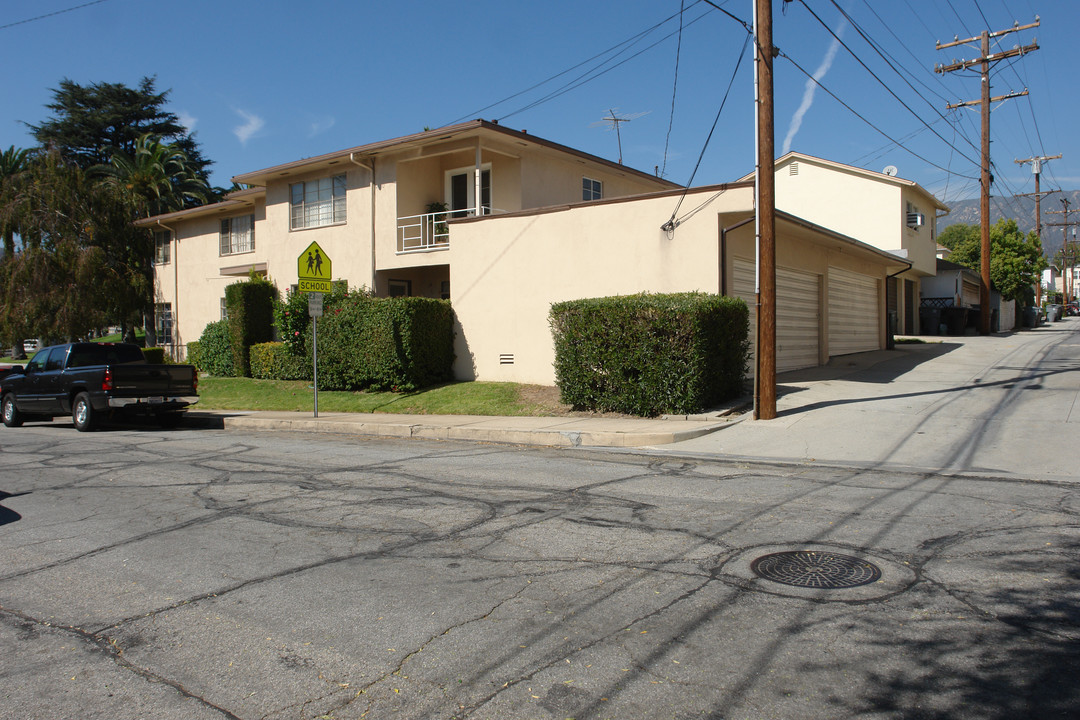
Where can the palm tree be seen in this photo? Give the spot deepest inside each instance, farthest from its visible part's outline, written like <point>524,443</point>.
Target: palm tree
<point>12,163</point>
<point>157,177</point>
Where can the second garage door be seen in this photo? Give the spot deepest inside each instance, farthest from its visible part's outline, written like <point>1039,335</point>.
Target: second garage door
<point>854,312</point>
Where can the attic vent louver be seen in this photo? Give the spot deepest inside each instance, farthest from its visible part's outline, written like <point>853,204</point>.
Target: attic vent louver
<point>793,169</point>
<point>506,358</point>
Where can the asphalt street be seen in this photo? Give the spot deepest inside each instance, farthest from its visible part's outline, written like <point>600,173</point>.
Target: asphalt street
<point>205,573</point>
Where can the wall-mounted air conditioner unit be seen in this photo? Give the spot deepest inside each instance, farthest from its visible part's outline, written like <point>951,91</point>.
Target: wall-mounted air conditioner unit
<point>915,220</point>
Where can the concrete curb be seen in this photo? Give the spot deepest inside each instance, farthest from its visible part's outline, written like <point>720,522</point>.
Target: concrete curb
<point>540,431</point>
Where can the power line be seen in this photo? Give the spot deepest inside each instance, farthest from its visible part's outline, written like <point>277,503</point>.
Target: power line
<point>872,73</point>
<point>858,115</point>
<point>674,88</point>
<point>52,14</point>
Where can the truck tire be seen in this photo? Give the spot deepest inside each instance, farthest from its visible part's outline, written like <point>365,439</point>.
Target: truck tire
<point>12,416</point>
<point>82,413</point>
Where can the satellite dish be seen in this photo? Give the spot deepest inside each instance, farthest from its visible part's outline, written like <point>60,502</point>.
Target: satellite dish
<point>890,170</point>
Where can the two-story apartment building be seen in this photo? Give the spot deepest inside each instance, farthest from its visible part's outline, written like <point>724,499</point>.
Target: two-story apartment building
<point>381,211</point>
<point>880,209</point>
<point>503,224</point>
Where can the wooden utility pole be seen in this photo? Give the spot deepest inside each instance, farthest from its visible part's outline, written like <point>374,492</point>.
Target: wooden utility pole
<point>986,179</point>
<point>1036,170</point>
<point>1067,288</point>
<point>765,201</point>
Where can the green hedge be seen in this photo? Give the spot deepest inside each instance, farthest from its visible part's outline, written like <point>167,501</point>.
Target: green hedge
<point>155,355</point>
<point>250,308</point>
<point>399,344</point>
<point>212,353</point>
<point>650,354</point>
<point>274,361</point>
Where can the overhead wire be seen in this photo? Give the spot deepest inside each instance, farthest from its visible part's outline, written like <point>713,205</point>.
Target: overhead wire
<point>859,115</point>
<point>633,39</point>
<point>589,75</point>
<point>672,222</point>
<point>867,68</point>
<point>52,14</point>
<point>674,88</point>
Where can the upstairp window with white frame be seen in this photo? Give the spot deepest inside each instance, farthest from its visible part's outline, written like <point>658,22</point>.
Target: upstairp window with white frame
<point>237,235</point>
<point>162,247</point>
<point>317,202</point>
<point>591,189</point>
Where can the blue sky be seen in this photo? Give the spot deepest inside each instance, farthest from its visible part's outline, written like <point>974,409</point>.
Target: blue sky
<point>264,82</point>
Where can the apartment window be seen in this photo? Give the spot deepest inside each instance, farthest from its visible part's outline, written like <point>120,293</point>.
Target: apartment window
<point>444,290</point>
<point>238,235</point>
<point>317,202</point>
<point>162,247</point>
<point>163,323</point>
<point>224,310</point>
<point>591,189</point>
<point>400,288</point>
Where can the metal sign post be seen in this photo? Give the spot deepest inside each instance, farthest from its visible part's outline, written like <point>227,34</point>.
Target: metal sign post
<point>315,311</point>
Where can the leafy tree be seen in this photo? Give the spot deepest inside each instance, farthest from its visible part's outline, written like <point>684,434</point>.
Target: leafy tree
<point>958,234</point>
<point>80,265</point>
<point>91,123</point>
<point>1016,260</point>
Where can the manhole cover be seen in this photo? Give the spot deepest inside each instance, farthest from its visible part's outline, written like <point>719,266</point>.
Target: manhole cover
<point>815,569</point>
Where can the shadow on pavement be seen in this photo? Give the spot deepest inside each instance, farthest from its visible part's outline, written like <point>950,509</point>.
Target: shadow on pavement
<point>7,515</point>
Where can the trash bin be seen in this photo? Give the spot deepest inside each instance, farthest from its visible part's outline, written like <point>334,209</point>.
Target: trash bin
<point>955,319</point>
<point>1051,313</point>
<point>929,320</point>
<point>1031,316</point>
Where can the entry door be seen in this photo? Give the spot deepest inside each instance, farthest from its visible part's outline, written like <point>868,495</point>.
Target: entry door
<point>461,191</point>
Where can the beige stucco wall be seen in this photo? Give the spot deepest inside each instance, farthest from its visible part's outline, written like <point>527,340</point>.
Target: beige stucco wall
<point>192,281</point>
<point>868,209</point>
<point>507,271</point>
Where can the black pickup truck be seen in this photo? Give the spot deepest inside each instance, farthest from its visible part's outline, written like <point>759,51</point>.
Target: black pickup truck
<point>94,381</point>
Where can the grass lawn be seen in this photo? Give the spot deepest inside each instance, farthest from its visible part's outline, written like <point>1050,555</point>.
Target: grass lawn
<point>463,398</point>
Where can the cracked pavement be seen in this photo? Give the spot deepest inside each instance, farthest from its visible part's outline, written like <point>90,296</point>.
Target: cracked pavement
<point>209,574</point>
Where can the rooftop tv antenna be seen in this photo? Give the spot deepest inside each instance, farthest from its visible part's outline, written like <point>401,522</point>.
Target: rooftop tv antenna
<point>613,121</point>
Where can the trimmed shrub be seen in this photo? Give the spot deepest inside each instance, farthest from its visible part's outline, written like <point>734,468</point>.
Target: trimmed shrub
<point>650,354</point>
<point>213,354</point>
<point>155,355</point>
<point>250,307</point>
<point>274,361</point>
<point>399,344</point>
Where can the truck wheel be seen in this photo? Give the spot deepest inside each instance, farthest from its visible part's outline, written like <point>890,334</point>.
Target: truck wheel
<point>12,416</point>
<point>82,413</point>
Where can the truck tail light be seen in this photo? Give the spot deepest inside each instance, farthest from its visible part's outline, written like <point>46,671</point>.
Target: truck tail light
<point>107,381</point>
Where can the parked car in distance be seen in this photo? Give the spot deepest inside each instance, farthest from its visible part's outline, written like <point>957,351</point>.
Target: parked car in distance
<point>94,381</point>
<point>1072,309</point>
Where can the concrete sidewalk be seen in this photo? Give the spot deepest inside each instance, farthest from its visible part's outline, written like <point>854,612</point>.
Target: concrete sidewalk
<point>958,404</point>
<point>1004,405</point>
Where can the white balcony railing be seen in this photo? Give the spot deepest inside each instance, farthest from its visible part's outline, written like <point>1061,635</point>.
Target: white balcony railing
<point>430,231</point>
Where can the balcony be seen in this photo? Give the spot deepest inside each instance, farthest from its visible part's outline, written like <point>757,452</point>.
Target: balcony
<point>430,231</point>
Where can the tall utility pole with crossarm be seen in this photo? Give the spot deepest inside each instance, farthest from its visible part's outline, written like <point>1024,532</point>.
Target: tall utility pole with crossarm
<point>984,61</point>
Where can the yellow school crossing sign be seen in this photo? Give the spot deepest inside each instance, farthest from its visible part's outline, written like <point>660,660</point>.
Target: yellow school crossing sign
<point>314,269</point>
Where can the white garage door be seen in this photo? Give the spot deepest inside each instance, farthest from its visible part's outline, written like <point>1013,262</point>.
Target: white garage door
<point>854,312</point>
<point>797,313</point>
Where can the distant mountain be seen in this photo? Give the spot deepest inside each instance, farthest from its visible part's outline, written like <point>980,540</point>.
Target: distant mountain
<point>1021,209</point>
